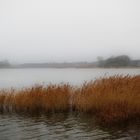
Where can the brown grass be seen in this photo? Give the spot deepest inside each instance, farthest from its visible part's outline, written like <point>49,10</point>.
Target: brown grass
<point>36,99</point>
<point>112,99</point>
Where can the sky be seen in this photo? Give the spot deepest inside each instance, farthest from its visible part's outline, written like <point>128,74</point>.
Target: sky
<point>68,30</point>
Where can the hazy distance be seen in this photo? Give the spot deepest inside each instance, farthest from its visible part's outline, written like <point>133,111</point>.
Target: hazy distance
<point>68,31</point>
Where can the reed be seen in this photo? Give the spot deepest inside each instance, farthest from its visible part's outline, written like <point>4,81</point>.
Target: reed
<point>36,99</point>
<point>112,99</point>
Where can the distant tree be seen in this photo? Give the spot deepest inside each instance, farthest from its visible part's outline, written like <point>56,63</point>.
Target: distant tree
<point>119,61</point>
<point>4,64</point>
<point>100,61</point>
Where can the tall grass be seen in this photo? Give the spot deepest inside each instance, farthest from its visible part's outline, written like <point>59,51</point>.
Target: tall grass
<point>36,99</point>
<point>112,99</point>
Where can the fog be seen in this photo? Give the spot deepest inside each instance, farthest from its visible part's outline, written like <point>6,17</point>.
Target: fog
<point>67,31</point>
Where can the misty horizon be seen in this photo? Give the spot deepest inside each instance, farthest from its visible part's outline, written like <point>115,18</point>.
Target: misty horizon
<point>121,61</point>
<point>59,31</point>
<point>64,61</point>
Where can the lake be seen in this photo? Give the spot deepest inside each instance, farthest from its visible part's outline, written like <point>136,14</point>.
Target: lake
<point>19,78</point>
<point>60,126</point>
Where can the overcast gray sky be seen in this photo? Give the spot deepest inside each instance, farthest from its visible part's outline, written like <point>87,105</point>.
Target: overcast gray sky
<point>68,30</point>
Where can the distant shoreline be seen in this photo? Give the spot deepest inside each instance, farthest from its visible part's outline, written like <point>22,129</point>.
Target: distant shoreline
<point>122,61</point>
<point>70,68</point>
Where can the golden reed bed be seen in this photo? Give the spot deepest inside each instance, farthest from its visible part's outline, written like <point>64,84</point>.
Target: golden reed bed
<point>112,99</point>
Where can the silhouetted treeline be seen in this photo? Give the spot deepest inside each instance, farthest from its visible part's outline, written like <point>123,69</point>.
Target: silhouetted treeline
<point>118,61</point>
<point>111,62</point>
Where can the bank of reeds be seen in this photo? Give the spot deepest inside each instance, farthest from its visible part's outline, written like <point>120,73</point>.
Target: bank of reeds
<point>112,99</point>
<point>37,99</point>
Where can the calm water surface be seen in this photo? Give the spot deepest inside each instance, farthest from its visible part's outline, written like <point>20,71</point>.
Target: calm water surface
<point>26,77</point>
<point>60,126</point>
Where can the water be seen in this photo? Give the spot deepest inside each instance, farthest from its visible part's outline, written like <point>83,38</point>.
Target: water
<point>60,126</point>
<point>26,77</point>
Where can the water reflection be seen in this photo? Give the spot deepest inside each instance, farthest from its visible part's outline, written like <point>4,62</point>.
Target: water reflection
<point>61,126</point>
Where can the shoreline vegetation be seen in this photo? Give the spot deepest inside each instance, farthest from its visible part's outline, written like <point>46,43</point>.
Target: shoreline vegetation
<point>114,99</point>
<point>122,61</point>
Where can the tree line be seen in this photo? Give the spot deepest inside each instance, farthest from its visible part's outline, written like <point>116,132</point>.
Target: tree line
<point>111,62</point>
<point>118,61</point>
